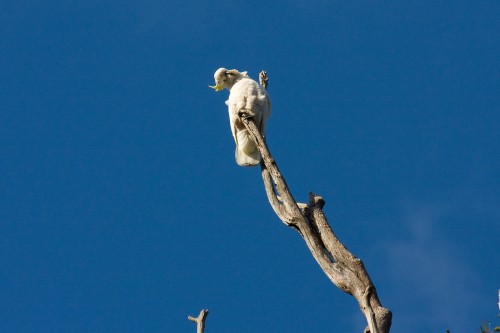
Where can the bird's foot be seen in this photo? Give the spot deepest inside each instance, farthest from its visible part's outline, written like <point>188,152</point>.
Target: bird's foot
<point>246,114</point>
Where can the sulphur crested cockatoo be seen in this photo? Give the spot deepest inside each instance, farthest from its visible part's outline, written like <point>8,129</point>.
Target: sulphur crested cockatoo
<point>245,97</point>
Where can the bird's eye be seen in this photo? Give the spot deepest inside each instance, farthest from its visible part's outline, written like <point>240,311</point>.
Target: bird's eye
<point>224,80</point>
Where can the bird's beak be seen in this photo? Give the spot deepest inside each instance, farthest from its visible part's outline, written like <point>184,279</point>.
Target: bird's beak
<point>216,87</point>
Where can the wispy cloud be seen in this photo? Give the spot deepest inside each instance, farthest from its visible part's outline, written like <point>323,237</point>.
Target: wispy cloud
<point>433,286</point>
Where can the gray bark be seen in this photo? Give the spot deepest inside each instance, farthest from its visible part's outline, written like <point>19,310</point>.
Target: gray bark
<point>342,268</point>
<point>345,270</point>
<point>200,321</point>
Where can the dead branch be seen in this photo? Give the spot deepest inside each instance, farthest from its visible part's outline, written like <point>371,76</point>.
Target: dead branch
<point>263,79</point>
<point>200,321</point>
<point>345,270</point>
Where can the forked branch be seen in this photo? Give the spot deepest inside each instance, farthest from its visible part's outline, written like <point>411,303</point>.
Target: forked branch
<point>345,270</point>
<point>200,321</point>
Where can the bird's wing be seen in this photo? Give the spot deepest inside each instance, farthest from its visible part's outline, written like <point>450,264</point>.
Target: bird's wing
<point>233,118</point>
<point>266,109</point>
<point>248,95</point>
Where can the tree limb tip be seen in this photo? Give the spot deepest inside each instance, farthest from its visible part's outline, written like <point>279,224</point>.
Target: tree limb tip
<point>263,79</point>
<point>201,317</point>
<point>316,200</point>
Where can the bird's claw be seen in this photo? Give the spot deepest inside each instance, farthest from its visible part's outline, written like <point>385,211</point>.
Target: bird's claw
<point>246,114</point>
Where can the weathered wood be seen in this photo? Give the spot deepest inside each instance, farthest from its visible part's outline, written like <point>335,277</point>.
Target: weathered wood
<point>200,321</point>
<point>345,270</point>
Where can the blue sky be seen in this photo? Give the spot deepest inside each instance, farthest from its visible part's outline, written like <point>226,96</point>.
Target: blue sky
<point>122,208</point>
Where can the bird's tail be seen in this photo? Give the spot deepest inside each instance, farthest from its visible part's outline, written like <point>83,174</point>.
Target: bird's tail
<point>246,153</point>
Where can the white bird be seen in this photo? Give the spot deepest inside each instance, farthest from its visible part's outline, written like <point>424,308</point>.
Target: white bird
<point>248,97</point>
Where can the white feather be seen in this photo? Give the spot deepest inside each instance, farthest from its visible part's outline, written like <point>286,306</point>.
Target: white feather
<point>245,95</point>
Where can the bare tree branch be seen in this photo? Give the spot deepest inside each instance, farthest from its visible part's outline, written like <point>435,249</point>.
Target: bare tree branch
<point>200,321</point>
<point>263,79</point>
<point>345,270</point>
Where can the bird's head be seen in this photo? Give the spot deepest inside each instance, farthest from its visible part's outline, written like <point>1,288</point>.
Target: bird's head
<point>225,78</point>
